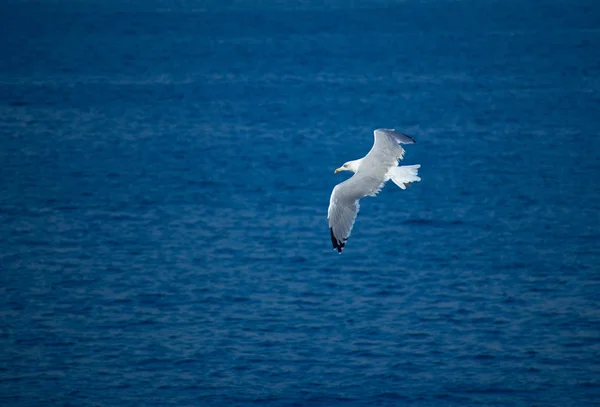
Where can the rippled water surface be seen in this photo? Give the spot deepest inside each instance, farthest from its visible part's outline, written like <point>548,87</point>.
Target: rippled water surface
<point>165,171</point>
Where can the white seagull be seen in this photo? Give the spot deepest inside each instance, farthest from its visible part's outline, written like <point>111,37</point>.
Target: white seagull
<point>370,174</point>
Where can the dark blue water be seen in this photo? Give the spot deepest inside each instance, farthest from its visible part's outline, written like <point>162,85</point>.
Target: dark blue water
<point>165,171</point>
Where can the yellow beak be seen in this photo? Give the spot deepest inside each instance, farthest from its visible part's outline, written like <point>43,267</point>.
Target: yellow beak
<point>338,170</point>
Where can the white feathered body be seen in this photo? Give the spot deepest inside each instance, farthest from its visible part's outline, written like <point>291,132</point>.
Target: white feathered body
<point>371,173</point>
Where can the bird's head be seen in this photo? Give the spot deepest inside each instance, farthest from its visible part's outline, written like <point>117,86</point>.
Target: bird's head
<point>349,166</point>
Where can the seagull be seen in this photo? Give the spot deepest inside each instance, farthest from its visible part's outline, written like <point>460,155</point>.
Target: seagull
<point>370,174</point>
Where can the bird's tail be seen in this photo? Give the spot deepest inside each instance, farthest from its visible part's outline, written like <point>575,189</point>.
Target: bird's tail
<point>404,174</point>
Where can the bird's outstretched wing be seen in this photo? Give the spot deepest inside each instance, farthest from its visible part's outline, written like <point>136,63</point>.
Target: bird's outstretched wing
<point>393,134</point>
<point>341,220</point>
<point>344,206</point>
<point>386,150</point>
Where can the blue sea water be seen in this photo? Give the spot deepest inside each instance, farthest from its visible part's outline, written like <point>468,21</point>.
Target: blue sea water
<point>165,171</point>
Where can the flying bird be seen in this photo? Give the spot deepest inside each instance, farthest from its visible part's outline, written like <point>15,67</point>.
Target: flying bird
<point>370,174</point>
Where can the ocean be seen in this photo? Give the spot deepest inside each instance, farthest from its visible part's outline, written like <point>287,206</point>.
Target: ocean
<point>165,173</point>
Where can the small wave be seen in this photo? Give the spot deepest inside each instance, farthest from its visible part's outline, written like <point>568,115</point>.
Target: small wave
<point>433,222</point>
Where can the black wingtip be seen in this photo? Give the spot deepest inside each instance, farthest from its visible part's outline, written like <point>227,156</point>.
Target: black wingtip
<point>336,243</point>
<point>400,138</point>
<point>411,140</point>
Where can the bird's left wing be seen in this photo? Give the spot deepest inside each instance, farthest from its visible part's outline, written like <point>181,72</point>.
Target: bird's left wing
<point>344,206</point>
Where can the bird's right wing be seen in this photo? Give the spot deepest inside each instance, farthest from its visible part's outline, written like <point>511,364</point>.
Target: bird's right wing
<point>386,150</point>
<point>392,134</point>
